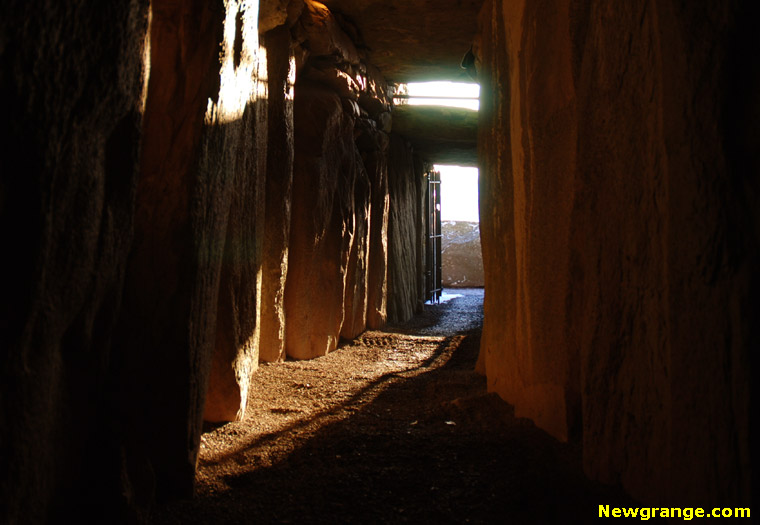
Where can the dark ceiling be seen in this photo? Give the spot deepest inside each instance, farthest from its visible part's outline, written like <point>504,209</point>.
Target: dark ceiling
<point>414,40</point>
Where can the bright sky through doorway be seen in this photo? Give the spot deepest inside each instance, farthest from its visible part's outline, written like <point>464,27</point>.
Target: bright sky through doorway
<point>459,193</point>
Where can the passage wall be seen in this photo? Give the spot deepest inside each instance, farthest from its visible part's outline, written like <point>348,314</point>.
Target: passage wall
<point>618,181</point>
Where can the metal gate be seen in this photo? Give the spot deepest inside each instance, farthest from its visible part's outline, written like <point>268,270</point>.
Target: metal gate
<point>433,286</point>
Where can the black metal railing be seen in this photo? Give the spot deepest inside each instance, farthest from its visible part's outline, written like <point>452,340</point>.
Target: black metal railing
<point>433,286</point>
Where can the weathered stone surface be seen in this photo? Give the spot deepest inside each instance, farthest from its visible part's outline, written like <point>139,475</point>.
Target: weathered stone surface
<point>325,166</point>
<point>324,35</point>
<point>405,186</point>
<point>373,147</point>
<point>374,99</point>
<point>327,54</point>
<point>355,295</point>
<point>335,278</point>
<point>441,135</point>
<point>276,13</point>
<point>616,236</point>
<point>279,187</point>
<point>421,232</point>
<point>462,261</point>
<point>199,170</point>
<point>236,354</point>
<point>71,134</point>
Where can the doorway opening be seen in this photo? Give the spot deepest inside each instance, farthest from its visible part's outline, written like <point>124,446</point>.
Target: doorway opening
<point>461,255</point>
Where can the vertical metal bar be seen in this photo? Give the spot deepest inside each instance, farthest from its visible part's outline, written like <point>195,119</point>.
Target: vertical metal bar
<point>428,256</point>
<point>438,238</point>
<point>433,266</point>
<point>436,232</point>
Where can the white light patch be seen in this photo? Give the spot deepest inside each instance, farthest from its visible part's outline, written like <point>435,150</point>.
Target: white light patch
<point>245,83</point>
<point>446,297</point>
<point>448,102</point>
<point>443,89</point>
<point>459,193</point>
<point>449,94</point>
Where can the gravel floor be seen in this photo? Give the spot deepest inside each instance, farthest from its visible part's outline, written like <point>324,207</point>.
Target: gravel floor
<point>392,427</point>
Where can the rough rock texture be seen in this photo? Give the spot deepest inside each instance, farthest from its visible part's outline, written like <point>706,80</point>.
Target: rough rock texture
<point>326,164</point>
<point>71,132</point>
<point>279,184</point>
<point>196,229</point>
<point>618,176</point>
<point>373,147</point>
<point>461,257</point>
<point>278,13</point>
<point>338,102</point>
<point>441,135</point>
<point>404,249</point>
<point>355,293</point>
<point>244,161</point>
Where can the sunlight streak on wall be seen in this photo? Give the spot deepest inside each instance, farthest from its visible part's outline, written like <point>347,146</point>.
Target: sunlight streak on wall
<point>246,82</point>
<point>146,62</point>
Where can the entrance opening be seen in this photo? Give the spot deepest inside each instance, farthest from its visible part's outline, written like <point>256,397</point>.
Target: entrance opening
<point>462,260</point>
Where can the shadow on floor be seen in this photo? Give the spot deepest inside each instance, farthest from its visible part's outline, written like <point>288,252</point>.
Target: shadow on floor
<point>431,447</point>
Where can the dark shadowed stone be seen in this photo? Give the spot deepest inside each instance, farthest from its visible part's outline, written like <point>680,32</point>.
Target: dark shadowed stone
<point>198,160</point>
<point>355,298</point>
<point>70,159</point>
<point>373,146</point>
<point>278,195</point>
<point>404,184</point>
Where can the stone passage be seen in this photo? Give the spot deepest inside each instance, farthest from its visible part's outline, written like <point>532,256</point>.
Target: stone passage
<point>189,188</point>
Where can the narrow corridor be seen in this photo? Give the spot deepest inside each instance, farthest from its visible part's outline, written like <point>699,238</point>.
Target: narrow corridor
<point>194,188</point>
<point>392,427</point>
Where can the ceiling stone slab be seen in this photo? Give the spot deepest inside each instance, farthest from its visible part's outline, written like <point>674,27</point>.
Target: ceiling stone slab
<point>442,135</point>
<point>414,40</point>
